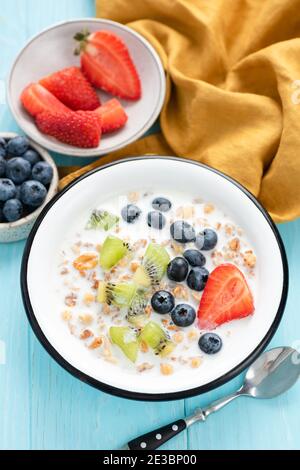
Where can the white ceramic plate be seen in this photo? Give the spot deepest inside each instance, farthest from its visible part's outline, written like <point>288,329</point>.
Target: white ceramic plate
<point>158,174</point>
<point>52,50</point>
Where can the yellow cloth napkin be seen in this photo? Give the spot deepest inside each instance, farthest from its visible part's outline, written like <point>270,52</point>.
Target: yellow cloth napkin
<point>233,100</point>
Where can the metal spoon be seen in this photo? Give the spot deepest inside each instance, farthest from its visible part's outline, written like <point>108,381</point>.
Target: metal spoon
<point>274,372</point>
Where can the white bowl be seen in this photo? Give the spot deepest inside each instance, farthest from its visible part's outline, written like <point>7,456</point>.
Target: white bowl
<point>249,336</point>
<point>52,50</point>
<point>14,231</point>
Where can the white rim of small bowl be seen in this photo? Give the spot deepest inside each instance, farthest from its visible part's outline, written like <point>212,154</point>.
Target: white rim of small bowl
<point>77,152</point>
<point>52,188</point>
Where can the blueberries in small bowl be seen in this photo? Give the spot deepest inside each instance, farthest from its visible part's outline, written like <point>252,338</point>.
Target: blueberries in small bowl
<point>210,343</point>
<point>12,210</point>
<point>18,170</point>
<point>2,166</point>
<point>31,156</point>
<point>162,301</point>
<point>42,172</point>
<point>183,315</point>
<point>156,220</point>
<point>7,189</point>
<point>27,176</point>
<point>2,143</point>
<point>197,278</point>
<point>17,146</point>
<point>33,193</point>
<point>177,269</point>
<point>206,240</point>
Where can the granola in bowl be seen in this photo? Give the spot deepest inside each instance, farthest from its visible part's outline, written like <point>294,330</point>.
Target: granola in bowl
<point>154,283</point>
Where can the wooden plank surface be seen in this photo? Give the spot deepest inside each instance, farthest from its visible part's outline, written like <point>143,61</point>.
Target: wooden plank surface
<point>43,407</point>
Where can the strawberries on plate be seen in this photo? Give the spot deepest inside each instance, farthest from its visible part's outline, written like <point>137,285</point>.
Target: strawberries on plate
<point>226,297</point>
<point>106,62</point>
<point>36,99</point>
<point>65,104</point>
<point>112,114</point>
<point>80,128</point>
<point>70,86</point>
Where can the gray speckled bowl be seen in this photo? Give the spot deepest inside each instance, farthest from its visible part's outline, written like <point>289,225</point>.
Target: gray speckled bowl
<point>14,231</point>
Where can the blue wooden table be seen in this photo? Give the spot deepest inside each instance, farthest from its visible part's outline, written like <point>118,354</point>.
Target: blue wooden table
<point>43,407</point>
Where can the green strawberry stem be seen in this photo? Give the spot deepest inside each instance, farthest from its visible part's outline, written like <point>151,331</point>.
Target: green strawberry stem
<point>82,39</point>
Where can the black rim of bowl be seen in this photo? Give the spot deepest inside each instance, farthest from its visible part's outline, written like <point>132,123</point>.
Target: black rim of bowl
<point>138,395</point>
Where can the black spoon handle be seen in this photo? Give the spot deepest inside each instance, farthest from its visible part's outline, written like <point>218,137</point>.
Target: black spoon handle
<point>154,439</point>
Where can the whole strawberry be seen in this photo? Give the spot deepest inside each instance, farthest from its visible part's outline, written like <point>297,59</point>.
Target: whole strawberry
<point>80,128</point>
<point>72,88</point>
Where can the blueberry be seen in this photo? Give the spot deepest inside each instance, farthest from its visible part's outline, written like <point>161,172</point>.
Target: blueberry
<point>31,156</point>
<point>161,204</point>
<point>130,213</point>
<point>2,166</point>
<point>12,210</point>
<point>1,215</point>
<point>18,170</point>
<point>162,301</point>
<point>183,315</point>
<point>7,189</point>
<point>194,257</point>
<point>210,343</point>
<point>18,192</point>
<point>156,219</point>
<point>17,145</point>
<point>199,242</point>
<point>33,193</point>
<point>2,142</point>
<point>177,269</point>
<point>42,172</point>
<point>206,240</point>
<point>197,278</point>
<point>2,152</point>
<point>182,232</point>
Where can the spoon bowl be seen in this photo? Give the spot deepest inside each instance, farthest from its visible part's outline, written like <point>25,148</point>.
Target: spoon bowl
<point>272,373</point>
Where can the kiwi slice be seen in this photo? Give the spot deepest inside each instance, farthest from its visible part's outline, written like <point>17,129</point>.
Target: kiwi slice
<point>102,219</point>
<point>125,338</point>
<point>125,295</point>
<point>157,338</point>
<point>153,267</point>
<point>120,294</point>
<point>112,251</point>
<point>136,312</point>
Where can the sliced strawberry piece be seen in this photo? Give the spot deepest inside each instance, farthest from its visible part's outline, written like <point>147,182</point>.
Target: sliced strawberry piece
<point>226,297</point>
<point>36,99</point>
<point>80,128</point>
<point>72,88</point>
<point>106,62</point>
<point>112,115</point>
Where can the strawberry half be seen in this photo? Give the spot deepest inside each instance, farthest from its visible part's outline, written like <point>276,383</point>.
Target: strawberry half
<point>72,88</point>
<point>80,128</point>
<point>106,62</point>
<point>112,115</point>
<point>226,297</point>
<point>36,99</point>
